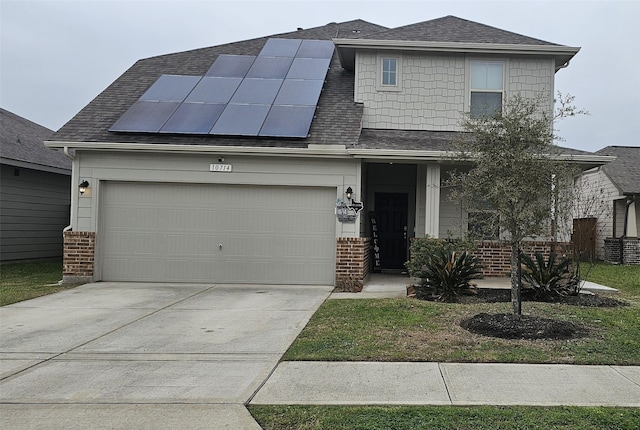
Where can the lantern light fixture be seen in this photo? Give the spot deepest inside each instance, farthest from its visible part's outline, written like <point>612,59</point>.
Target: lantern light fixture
<point>83,187</point>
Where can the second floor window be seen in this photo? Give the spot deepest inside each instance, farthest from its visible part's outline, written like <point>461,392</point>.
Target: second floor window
<point>486,88</point>
<point>390,71</point>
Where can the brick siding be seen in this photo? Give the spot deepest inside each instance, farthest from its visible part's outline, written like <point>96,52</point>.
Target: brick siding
<point>622,251</point>
<point>79,256</point>
<point>496,256</point>
<point>352,258</point>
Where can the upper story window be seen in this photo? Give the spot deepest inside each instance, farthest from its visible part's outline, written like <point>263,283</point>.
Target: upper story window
<point>389,71</point>
<point>487,84</point>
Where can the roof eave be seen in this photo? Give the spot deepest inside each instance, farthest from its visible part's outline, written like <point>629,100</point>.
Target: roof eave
<point>311,150</point>
<point>347,48</point>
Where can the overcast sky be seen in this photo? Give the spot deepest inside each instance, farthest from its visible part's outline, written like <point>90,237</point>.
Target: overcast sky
<point>57,55</point>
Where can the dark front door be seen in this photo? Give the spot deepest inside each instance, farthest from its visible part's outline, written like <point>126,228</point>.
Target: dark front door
<point>391,213</point>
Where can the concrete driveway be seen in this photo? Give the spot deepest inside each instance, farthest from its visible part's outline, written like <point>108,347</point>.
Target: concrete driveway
<point>120,355</point>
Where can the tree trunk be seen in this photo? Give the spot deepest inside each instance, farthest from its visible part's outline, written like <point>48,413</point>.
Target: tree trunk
<point>516,299</point>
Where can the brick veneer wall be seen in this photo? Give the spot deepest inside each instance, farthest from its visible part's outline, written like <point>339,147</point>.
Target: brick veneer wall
<point>496,256</point>
<point>631,251</point>
<point>625,251</point>
<point>352,258</point>
<point>79,254</point>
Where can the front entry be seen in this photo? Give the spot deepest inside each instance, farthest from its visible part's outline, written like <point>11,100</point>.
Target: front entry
<point>392,212</point>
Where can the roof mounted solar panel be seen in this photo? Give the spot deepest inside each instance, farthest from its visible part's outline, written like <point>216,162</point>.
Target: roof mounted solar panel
<point>241,120</point>
<point>145,116</point>
<point>298,92</point>
<point>171,88</point>
<point>193,118</point>
<point>309,68</point>
<point>214,90</point>
<point>316,49</point>
<point>288,121</point>
<point>231,66</point>
<point>270,67</point>
<point>281,47</point>
<point>257,91</point>
<point>272,95</point>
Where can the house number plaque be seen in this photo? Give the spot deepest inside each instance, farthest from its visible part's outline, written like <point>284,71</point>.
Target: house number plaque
<point>220,168</point>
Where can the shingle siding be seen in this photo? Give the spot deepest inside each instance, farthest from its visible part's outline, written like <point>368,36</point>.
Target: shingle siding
<point>434,90</point>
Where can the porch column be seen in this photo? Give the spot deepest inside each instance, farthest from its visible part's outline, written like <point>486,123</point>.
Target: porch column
<point>632,224</point>
<point>432,201</point>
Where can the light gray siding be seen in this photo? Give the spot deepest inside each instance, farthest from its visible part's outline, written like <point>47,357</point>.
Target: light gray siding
<point>434,89</point>
<point>596,197</point>
<point>34,209</point>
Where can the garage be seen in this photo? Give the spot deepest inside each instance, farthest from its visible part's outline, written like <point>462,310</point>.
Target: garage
<point>216,233</point>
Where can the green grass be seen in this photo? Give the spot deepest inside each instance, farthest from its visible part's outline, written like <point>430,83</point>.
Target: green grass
<point>415,330</point>
<point>624,278</point>
<point>27,280</point>
<point>443,417</point>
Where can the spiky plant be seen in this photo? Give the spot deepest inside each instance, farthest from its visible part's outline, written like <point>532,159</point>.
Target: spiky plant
<point>447,273</point>
<point>548,279</point>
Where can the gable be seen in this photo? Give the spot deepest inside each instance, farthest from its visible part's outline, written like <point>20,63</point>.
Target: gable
<point>624,171</point>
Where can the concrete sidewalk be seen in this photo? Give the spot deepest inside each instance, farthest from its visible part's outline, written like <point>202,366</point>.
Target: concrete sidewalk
<point>374,383</point>
<point>384,285</point>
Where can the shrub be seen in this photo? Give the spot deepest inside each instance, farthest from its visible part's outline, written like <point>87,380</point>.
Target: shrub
<point>423,248</point>
<point>547,280</point>
<point>446,274</point>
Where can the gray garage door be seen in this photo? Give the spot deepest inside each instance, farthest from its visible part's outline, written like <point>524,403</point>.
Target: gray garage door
<point>216,233</point>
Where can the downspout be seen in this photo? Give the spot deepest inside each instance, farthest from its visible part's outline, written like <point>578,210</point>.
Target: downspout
<point>72,158</point>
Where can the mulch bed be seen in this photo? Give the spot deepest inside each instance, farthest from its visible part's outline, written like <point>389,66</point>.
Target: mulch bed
<point>510,326</point>
<point>492,295</point>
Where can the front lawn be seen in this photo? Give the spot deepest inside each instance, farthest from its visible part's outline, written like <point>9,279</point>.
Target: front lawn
<point>27,280</point>
<point>415,330</point>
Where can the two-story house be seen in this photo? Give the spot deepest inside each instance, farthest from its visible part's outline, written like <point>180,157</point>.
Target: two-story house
<point>290,159</point>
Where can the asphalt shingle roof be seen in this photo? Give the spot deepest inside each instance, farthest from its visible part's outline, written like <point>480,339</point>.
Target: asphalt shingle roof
<point>624,171</point>
<point>337,120</point>
<point>22,140</point>
<point>454,29</point>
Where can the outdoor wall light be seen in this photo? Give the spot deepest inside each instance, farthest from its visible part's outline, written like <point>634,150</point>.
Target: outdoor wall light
<point>83,187</point>
<point>349,193</point>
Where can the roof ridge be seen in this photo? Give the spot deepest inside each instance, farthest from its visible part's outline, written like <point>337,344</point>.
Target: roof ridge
<point>460,32</point>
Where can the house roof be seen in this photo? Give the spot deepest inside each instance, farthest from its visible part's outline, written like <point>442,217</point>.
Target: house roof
<point>21,144</point>
<point>454,29</point>
<point>624,171</point>
<point>337,120</point>
<point>453,34</point>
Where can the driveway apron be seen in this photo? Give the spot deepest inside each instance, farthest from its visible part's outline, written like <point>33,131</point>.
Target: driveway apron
<point>121,355</point>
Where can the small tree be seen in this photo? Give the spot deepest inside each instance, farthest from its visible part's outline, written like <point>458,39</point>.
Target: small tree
<point>516,171</point>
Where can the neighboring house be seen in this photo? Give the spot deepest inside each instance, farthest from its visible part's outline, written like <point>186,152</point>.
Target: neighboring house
<point>609,198</point>
<point>297,159</point>
<point>35,191</point>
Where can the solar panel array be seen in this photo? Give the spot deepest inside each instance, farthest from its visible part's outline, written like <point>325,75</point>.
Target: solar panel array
<point>273,95</point>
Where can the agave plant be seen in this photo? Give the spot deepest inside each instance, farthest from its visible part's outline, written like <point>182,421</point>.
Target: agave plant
<point>548,279</point>
<point>447,273</point>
